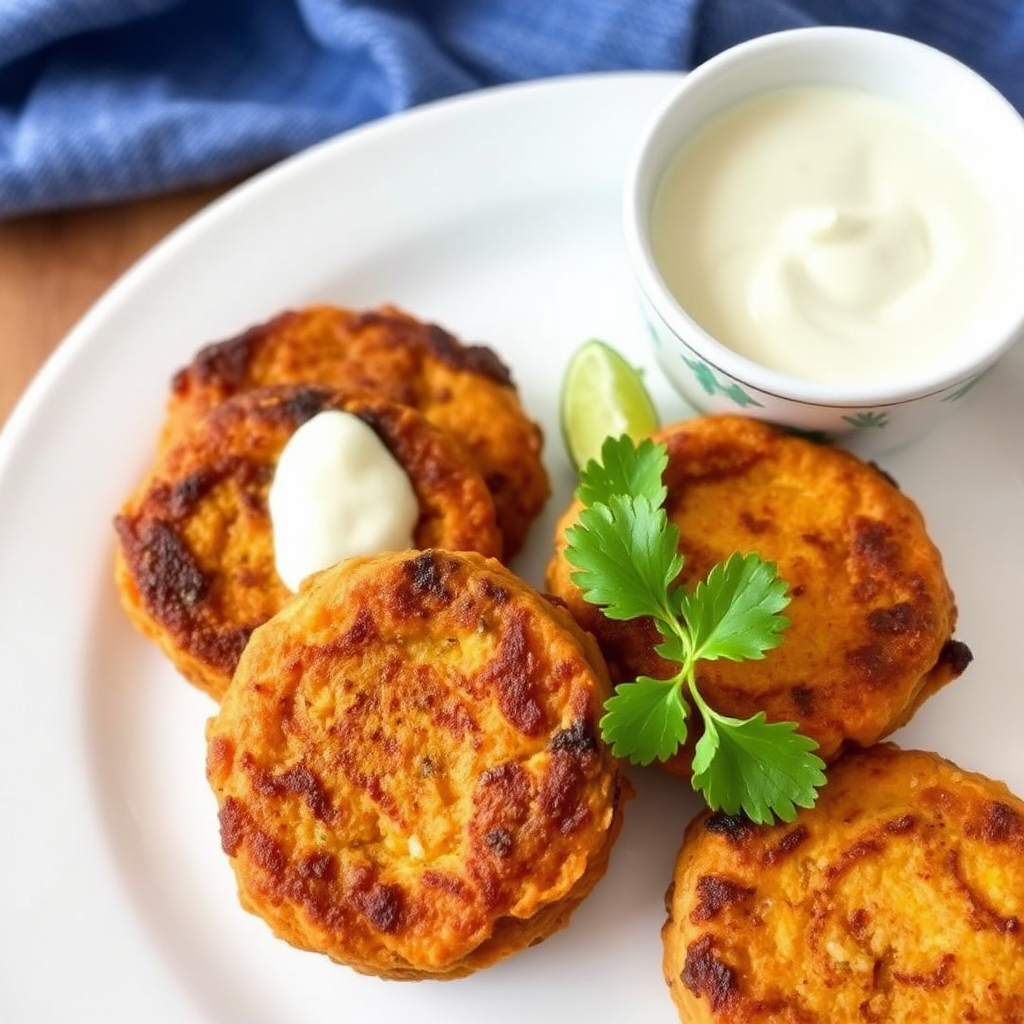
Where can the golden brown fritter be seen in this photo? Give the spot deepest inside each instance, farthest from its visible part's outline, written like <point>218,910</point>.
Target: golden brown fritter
<point>408,768</point>
<point>463,389</point>
<point>195,559</point>
<point>872,614</point>
<point>899,898</point>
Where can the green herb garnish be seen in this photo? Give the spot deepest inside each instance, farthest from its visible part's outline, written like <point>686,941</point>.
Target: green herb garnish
<point>628,560</point>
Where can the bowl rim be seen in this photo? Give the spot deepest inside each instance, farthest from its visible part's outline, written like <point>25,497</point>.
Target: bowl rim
<point>932,378</point>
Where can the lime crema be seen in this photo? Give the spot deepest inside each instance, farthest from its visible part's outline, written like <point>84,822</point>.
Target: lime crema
<point>827,233</point>
<point>337,492</point>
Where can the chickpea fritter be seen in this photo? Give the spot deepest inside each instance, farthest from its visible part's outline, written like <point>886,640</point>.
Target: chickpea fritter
<point>408,768</point>
<point>463,389</point>
<point>872,614</point>
<point>194,565</point>
<point>899,898</point>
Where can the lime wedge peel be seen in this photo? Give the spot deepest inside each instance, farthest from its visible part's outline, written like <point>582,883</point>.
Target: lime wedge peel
<point>602,396</point>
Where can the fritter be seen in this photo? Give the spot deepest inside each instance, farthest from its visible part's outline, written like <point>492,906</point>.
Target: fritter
<point>872,614</point>
<point>408,768</point>
<point>464,389</point>
<point>899,898</point>
<point>195,557</point>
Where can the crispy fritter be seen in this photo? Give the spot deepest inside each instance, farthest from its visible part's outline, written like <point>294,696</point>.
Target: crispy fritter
<point>408,769</point>
<point>898,898</point>
<point>872,614</point>
<point>195,559</point>
<point>463,389</point>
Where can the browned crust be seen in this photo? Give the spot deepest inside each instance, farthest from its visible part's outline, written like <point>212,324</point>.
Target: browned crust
<point>899,898</point>
<point>195,563</point>
<point>463,389</point>
<point>408,767</point>
<point>872,614</point>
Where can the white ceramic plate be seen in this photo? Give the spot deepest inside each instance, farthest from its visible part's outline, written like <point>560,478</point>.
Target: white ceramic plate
<point>498,216</point>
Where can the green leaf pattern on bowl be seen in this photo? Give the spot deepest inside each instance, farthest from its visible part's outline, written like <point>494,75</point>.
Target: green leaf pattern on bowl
<point>868,420</point>
<point>705,377</point>
<point>963,389</point>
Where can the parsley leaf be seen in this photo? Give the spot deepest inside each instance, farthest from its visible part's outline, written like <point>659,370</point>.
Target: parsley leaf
<point>734,613</point>
<point>755,766</point>
<point>622,470</point>
<point>645,720</point>
<point>627,555</point>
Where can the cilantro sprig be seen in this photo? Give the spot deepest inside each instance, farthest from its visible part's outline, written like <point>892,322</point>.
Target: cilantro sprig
<point>627,559</point>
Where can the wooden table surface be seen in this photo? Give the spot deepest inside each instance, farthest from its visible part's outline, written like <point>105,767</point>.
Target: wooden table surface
<point>54,266</point>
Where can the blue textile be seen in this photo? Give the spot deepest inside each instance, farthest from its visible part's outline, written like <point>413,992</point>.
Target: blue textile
<point>103,99</point>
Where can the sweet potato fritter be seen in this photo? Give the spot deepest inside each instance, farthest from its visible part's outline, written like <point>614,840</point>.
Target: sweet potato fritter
<point>408,769</point>
<point>463,389</point>
<point>195,559</point>
<point>899,898</point>
<point>871,612</point>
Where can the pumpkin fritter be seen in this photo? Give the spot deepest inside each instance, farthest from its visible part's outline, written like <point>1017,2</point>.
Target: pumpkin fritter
<point>463,389</point>
<point>899,898</point>
<point>872,614</point>
<point>195,556</point>
<point>408,769</point>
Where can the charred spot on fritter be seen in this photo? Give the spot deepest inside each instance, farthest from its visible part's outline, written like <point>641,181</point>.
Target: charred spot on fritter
<point>266,853</point>
<point>319,865</point>
<point>234,822</point>
<point>935,980</point>
<point>714,893</point>
<point>579,738</point>
<point>1001,824</point>
<point>790,841</point>
<point>803,699</point>
<point>901,825</point>
<point>861,850</point>
<point>957,655</point>
<point>185,493</point>
<point>383,907</point>
<point>167,573</point>
<point>305,403</point>
<point>352,641</point>
<point>219,648</point>
<point>426,577</point>
<point>474,358</point>
<point>874,664</point>
<point>737,828</point>
<point>561,793</point>
<point>708,977</point>
<point>493,592</point>
<point>755,524</point>
<point>900,619</point>
<point>875,542</point>
<point>498,841</point>
<point>225,364</point>
<point>298,780</point>
<point>514,675</point>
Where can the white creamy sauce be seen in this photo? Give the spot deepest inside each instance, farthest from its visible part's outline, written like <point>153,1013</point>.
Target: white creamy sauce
<point>337,492</point>
<point>824,232</point>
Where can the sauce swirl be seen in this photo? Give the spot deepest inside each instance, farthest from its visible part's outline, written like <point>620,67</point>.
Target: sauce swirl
<point>824,232</point>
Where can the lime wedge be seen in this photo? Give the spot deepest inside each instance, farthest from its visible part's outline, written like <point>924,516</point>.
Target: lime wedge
<point>602,396</point>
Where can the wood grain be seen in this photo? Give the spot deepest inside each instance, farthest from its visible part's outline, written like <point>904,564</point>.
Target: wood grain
<point>54,266</point>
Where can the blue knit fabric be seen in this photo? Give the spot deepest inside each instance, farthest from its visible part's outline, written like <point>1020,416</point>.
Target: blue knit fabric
<point>103,99</point>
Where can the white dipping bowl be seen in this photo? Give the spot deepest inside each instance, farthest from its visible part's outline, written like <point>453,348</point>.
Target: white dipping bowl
<point>987,134</point>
